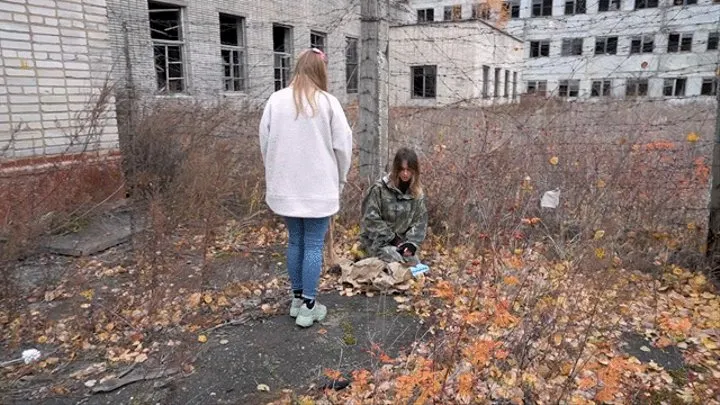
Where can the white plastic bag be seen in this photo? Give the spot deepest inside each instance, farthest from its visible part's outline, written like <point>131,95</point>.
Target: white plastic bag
<point>551,199</point>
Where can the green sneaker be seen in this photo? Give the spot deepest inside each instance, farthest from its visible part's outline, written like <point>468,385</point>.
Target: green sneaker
<point>295,306</point>
<point>306,317</point>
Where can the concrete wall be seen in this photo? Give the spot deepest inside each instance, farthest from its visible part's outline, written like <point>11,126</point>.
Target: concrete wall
<point>699,19</point>
<point>202,50</point>
<point>54,61</point>
<point>459,50</point>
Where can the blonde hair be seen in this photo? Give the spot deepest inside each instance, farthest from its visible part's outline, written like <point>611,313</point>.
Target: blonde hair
<point>309,77</point>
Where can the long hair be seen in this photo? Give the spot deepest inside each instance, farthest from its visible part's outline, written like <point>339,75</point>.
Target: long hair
<point>409,156</point>
<point>309,77</point>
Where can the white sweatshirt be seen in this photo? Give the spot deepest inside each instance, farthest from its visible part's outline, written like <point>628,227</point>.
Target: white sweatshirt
<point>306,159</point>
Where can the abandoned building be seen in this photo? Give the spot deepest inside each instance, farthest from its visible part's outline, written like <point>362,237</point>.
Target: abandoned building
<point>604,48</point>
<point>468,62</point>
<point>54,71</point>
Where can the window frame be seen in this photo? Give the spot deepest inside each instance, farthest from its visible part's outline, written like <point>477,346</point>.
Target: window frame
<point>571,86</point>
<point>541,44</point>
<point>637,85</point>
<point>237,53</point>
<point>352,81</point>
<point>606,45</point>
<point>572,44</point>
<point>166,45</point>
<point>413,75</point>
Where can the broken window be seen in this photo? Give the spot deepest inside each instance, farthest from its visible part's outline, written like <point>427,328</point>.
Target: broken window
<point>606,45</point>
<point>601,88</point>
<point>282,52</point>
<point>680,42</point>
<point>573,7</point>
<point>352,60</point>
<point>712,43</point>
<point>636,88</point>
<point>571,47</point>
<point>233,52</point>
<point>709,86</point>
<point>452,13</point>
<point>318,40</point>
<point>498,72</point>
<point>512,8</point>
<point>506,93</point>
<point>642,44</point>
<point>539,48</point>
<point>168,43</point>
<point>538,87</point>
<point>541,8</point>
<point>640,4</point>
<point>426,15</point>
<point>609,5</point>
<point>481,11</point>
<point>486,82</point>
<point>674,87</point>
<point>569,88</point>
<point>514,86</point>
<point>424,81</point>
<point>684,2</point>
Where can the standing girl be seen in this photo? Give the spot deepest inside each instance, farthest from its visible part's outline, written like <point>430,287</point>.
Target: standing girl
<point>306,144</point>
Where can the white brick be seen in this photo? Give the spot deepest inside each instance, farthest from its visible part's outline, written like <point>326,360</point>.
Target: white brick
<point>19,72</point>
<point>47,39</point>
<point>15,90</point>
<point>77,66</point>
<point>96,18</point>
<point>15,45</point>
<point>30,90</point>
<point>98,35</point>
<point>25,64</point>
<point>51,82</point>
<point>53,99</point>
<point>15,36</point>
<point>77,74</point>
<point>15,8</point>
<point>48,12</point>
<point>95,10</point>
<point>20,18</point>
<point>5,118</point>
<point>17,1</point>
<point>22,99</point>
<point>74,41</point>
<point>24,108</point>
<point>55,56</point>
<point>79,99</point>
<point>26,117</point>
<point>78,24</point>
<point>52,21</point>
<point>6,16</point>
<point>59,90</point>
<point>45,90</point>
<point>78,83</point>
<point>8,53</point>
<point>21,81</point>
<point>42,3</point>
<point>64,5</point>
<point>34,19</point>
<point>40,55</point>
<point>73,33</point>
<point>49,64</point>
<point>23,135</point>
<point>71,51</point>
<point>47,48</point>
<point>56,116</point>
<point>44,73</point>
<point>77,107</point>
<point>72,15</point>
<point>13,27</point>
<point>39,29</point>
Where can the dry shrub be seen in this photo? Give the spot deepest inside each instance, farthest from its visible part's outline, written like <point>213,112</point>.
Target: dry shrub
<point>632,170</point>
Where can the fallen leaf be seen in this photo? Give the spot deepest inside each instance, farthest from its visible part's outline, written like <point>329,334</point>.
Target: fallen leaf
<point>554,160</point>
<point>645,349</point>
<point>194,299</point>
<point>224,342</point>
<point>263,388</point>
<point>202,339</point>
<point>322,331</point>
<point>90,383</point>
<point>141,358</point>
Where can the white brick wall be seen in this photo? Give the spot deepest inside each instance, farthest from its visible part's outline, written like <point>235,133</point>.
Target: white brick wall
<point>130,24</point>
<point>54,55</point>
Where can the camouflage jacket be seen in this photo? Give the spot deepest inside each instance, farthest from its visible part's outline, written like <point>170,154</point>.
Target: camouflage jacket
<point>388,212</point>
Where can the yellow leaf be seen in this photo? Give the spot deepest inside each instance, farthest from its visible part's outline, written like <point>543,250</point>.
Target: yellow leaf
<point>601,183</point>
<point>709,344</point>
<point>223,302</point>
<point>511,280</point>
<point>691,226</point>
<point>42,339</point>
<point>518,251</point>
<point>599,234</point>
<point>557,339</point>
<point>693,137</point>
<point>202,338</point>
<point>554,160</point>
<point>600,253</point>
<point>208,298</point>
<point>88,294</point>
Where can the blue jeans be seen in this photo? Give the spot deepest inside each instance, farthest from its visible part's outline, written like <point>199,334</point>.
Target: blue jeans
<point>305,253</point>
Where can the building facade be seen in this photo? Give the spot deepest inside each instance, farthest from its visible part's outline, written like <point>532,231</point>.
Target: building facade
<point>606,48</point>
<point>233,49</point>
<point>467,62</point>
<point>55,62</point>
